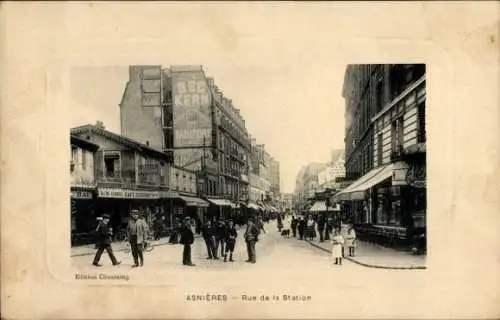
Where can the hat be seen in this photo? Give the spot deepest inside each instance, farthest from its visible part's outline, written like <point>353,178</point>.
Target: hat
<point>187,218</point>
<point>105,216</point>
<point>135,211</point>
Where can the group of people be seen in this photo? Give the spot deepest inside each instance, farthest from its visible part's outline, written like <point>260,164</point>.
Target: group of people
<point>137,234</point>
<point>220,234</point>
<point>306,227</point>
<point>341,235</point>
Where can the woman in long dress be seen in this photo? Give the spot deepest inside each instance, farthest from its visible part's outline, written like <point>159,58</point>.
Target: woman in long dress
<point>337,244</point>
<point>351,240</point>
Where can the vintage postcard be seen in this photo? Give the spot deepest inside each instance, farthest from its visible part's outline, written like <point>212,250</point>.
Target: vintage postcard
<point>250,160</point>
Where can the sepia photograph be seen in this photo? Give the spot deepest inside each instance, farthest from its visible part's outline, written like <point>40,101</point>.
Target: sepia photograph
<point>183,172</point>
<point>249,160</point>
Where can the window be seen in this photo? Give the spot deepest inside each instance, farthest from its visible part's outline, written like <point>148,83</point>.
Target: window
<point>421,122</point>
<point>380,95</point>
<point>84,159</point>
<point>379,149</point>
<point>74,154</point>
<point>112,165</point>
<point>397,134</point>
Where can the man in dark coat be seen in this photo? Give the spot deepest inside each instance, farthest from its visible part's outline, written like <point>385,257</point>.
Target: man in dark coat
<point>104,242</point>
<point>220,237</point>
<point>302,227</point>
<point>321,227</point>
<point>251,237</point>
<point>209,235</point>
<point>231,236</point>
<point>293,224</point>
<point>187,239</point>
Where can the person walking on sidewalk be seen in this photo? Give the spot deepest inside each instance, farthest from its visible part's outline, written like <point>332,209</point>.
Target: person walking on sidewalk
<point>351,240</point>
<point>209,236</point>
<point>137,231</point>
<point>337,244</point>
<point>293,225</point>
<point>251,237</point>
<point>302,227</point>
<point>321,227</point>
<point>231,236</point>
<point>311,228</point>
<point>187,239</point>
<point>104,234</point>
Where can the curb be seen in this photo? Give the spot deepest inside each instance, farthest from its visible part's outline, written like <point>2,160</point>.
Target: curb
<point>370,265</point>
<point>122,250</point>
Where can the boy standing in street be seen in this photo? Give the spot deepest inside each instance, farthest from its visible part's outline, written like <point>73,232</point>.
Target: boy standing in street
<point>231,236</point>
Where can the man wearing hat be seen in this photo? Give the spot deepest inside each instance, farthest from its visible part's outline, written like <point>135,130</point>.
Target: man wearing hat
<point>104,242</point>
<point>251,237</point>
<point>187,239</point>
<point>231,236</point>
<point>137,231</point>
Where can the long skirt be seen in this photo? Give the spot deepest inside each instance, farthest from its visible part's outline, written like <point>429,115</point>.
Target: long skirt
<point>337,251</point>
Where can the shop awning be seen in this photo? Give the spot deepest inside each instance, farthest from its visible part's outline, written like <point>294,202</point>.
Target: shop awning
<point>254,206</point>
<point>356,191</point>
<point>320,206</point>
<point>194,202</point>
<point>222,202</point>
<point>244,178</point>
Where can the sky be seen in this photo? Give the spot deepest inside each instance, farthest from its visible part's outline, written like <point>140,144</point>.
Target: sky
<point>287,84</point>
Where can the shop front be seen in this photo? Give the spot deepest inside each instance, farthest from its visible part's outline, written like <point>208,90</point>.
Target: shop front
<point>83,217</point>
<point>119,202</point>
<point>219,209</point>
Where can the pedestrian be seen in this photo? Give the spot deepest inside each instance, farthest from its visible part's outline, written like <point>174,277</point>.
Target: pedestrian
<point>329,228</point>
<point>187,239</point>
<point>321,227</point>
<point>209,237</point>
<point>260,224</point>
<point>293,225</point>
<point>174,236</point>
<point>103,242</point>
<point>251,237</point>
<point>220,237</point>
<point>280,223</point>
<point>337,244</point>
<point>311,231</point>
<point>137,231</point>
<point>158,227</point>
<point>351,240</point>
<point>302,227</point>
<point>231,236</point>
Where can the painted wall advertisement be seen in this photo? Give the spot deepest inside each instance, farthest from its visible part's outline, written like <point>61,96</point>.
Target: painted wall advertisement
<point>192,113</point>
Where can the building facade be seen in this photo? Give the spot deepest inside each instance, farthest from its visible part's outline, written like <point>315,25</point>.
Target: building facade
<point>335,170</point>
<point>130,175</point>
<point>182,112</point>
<point>83,187</point>
<point>307,182</point>
<point>385,149</point>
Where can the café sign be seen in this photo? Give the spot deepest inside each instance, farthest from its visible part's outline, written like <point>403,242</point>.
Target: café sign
<point>127,194</point>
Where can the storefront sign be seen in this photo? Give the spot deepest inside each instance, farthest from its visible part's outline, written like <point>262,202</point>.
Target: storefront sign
<point>399,172</point>
<point>127,194</point>
<point>81,194</point>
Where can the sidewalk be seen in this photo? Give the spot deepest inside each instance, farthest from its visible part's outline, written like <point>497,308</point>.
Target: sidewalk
<point>90,249</point>
<point>374,256</point>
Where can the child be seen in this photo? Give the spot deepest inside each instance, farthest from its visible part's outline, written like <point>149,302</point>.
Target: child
<point>231,235</point>
<point>351,240</point>
<point>337,243</point>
